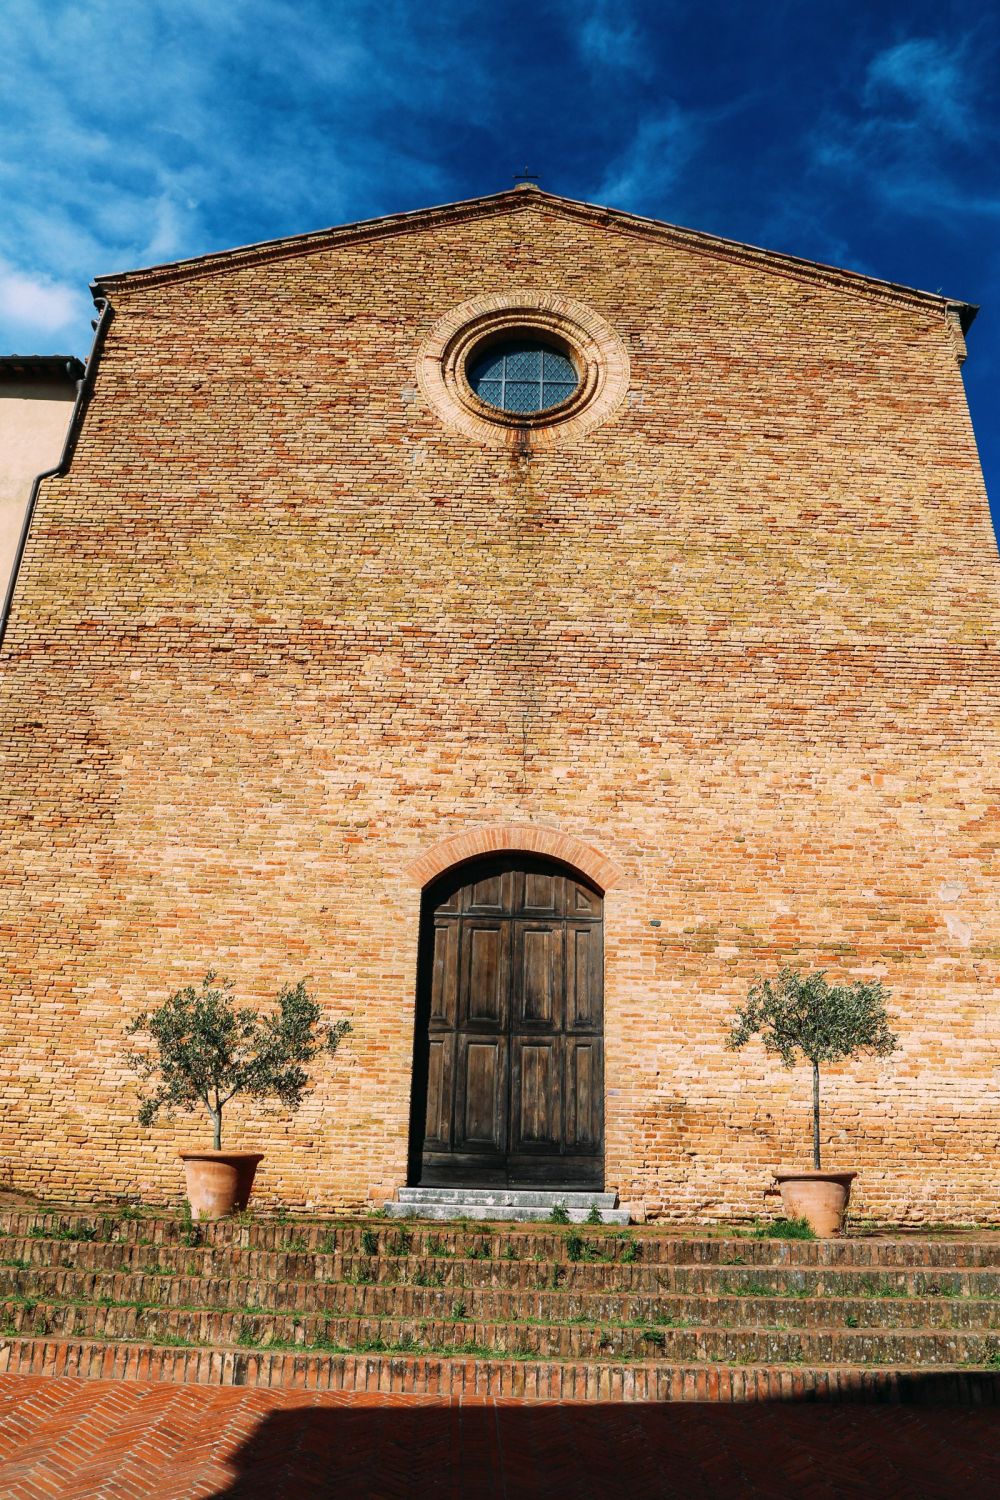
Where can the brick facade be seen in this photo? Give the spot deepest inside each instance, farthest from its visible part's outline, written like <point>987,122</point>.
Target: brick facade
<point>282,632</point>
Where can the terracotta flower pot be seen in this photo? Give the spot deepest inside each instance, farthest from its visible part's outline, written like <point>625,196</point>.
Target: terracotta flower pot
<point>819,1197</point>
<point>219,1182</point>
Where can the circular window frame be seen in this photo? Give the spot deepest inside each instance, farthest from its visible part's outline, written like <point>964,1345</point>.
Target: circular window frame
<point>595,350</point>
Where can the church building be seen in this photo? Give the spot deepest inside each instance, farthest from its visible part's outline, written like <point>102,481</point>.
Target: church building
<point>528,623</point>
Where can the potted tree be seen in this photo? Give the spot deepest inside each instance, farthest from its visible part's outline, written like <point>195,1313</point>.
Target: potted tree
<point>803,1015</point>
<point>201,1050</point>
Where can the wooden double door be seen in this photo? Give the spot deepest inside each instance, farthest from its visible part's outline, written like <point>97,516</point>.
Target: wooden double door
<point>508,1083</point>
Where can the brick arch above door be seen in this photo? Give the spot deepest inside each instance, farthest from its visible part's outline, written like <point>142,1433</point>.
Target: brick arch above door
<point>527,838</point>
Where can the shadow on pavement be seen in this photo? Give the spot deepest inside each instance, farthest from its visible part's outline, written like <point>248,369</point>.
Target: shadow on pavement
<point>921,1452</point>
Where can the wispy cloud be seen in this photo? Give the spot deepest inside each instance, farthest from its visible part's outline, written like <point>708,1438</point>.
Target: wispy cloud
<point>610,36</point>
<point>140,133</point>
<point>929,77</point>
<point>919,109</point>
<point>641,175</point>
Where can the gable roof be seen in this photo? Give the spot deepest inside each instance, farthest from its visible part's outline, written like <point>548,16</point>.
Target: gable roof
<point>518,199</point>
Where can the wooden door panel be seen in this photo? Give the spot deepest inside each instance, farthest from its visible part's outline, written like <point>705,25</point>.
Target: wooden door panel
<point>440,1079</point>
<point>584,1094</point>
<point>509,1051</point>
<point>485,972</point>
<point>537,992</point>
<point>536,1094</point>
<point>583,903</point>
<point>444,978</point>
<point>540,894</point>
<point>481,1122</point>
<point>490,896</point>
<point>583,977</point>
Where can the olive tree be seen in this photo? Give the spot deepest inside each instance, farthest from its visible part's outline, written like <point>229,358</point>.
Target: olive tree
<point>201,1049</point>
<point>802,1014</point>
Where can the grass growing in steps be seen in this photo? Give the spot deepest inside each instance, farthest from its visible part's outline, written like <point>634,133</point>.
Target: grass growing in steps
<point>414,1348</point>
<point>85,1232</point>
<point>322,1236</point>
<point>622,1340</point>
<point>623,1274</point>
<point>753,1288</point>
<point>831,1311</point>
<point>459,1312</point>
<point>210,1293</point>
<point>553,1310</point>
<point>306,1235</point>
<point>573,1263</point>
<point>302,1235</point>
<point>497,1242</point>
<point>370,1256</point>
<point>458,1349</point>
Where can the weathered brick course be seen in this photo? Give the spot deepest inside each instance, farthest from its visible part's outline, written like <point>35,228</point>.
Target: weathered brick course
<point>281,633</point>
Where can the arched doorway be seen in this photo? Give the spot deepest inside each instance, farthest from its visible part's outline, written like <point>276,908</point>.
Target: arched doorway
<point>508,1077</point>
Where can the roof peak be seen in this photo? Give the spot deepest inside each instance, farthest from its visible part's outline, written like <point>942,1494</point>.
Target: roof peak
<point>521,196</point>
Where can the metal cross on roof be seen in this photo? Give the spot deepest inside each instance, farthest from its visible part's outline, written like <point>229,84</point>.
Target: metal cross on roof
<point>525,176</point>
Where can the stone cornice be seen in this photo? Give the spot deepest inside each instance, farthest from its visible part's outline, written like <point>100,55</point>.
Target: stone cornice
<point>524,199</point>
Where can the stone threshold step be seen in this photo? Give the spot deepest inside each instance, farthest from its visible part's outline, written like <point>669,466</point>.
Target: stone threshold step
<point>498,1213</point>
<point>524,1379</point>
<point>510,1197</point>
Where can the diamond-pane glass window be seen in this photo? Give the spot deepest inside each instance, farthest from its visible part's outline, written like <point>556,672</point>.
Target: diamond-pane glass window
<point>522,376</point>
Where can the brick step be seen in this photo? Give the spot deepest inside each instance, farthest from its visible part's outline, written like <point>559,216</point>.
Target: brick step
<point>457,1334</point>
<point>650,1380</point>
<point>405,1299</point>
<point>654,1246</point>
<point>515,1275</point>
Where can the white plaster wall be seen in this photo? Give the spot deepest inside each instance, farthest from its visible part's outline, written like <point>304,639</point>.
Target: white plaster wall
<point>33,422</point>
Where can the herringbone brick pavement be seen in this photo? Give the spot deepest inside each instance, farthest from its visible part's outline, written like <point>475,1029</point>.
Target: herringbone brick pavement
<point>66,1439</point>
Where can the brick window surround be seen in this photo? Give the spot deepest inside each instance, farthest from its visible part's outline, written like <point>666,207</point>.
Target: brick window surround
<point>598,354</point>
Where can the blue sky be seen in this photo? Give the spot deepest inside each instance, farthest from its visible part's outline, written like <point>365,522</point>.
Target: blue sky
<point>136,131</point>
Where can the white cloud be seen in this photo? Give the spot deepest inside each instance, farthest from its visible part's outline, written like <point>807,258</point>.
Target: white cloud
<point>37,302</point>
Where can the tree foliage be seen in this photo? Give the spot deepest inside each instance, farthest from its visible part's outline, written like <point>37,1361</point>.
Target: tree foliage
<point>803,1013</point>
<point>201,1049</point>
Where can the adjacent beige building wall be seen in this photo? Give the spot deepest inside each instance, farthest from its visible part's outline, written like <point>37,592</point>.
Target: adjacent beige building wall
<point>34,416</point>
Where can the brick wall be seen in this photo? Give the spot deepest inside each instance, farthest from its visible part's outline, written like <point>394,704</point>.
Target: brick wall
<point>281,631</point>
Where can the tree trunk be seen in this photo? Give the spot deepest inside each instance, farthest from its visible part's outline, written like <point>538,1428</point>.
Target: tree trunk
<point>816,1160</point>
<point>216,1118</point>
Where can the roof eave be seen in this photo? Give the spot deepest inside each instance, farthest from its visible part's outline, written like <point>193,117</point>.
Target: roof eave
<point>56,369</point>
<point>522,197</point>
<point>967,312</point>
